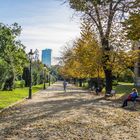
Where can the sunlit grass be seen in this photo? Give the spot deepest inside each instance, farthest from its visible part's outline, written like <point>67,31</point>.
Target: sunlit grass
<point>125,88</point>
<point>9,97</point>
<point>121,89</point>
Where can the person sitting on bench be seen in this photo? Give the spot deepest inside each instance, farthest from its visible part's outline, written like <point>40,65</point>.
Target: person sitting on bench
<point>131,97</point>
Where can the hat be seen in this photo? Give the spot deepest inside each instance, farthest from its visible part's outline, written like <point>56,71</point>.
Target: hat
<point>134,89</point>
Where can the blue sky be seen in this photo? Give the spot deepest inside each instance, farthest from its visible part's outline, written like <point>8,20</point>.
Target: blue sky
<point>45,23</point>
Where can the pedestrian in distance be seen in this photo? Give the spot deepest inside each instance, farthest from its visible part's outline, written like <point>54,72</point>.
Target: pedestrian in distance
<point>64,85</point>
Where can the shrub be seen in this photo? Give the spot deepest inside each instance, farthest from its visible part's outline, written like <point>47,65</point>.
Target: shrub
<point>114,82</point>
<point>19,84</point>
<point>22,83</point>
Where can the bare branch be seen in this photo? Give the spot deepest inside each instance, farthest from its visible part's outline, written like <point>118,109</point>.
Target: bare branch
<point>116,5</point>
<point>110,18</point>
<point>100,28</point>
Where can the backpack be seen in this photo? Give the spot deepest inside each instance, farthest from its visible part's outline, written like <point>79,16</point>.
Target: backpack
<point>129,97</point>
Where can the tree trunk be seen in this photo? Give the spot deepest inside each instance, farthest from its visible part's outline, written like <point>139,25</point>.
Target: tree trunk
<point>107,68</point>
<point>108,77</point>
<point>75,81</point>
<point>98,78</point>
<point>9,83</point>
<point>91,82</point>
<point>25,76</point>
<point>80,82</point>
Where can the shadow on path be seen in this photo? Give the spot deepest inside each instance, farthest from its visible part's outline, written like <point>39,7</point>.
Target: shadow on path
<point>47,106</point>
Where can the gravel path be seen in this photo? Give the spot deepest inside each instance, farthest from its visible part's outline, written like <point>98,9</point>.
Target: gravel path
<point>74,115</point>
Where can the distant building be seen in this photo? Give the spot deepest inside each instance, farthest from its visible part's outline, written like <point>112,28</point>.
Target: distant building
<point>46,57</point>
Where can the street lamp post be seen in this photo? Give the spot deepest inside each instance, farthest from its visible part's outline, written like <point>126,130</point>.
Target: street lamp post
<point>44,87</point>
<point>30,86</point>
<point>49,79</point>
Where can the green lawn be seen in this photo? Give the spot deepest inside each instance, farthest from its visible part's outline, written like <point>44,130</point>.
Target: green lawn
<point>125,88</point>
<point>9,97</point>
<point>122,88</point>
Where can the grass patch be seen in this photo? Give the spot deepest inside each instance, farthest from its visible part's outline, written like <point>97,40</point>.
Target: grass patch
<point>9,97</point>
<point>125,88</point>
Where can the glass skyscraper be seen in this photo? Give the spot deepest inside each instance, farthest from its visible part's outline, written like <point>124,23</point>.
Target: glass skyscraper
<point>46,57</point>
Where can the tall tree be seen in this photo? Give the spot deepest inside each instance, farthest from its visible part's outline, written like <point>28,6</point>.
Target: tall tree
<point>104,15</point>
<point>12,53</point>
<point>83,60</point>
<point>132,26</point>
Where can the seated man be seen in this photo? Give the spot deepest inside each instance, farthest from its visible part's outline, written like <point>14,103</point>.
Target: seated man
<point>131,97</point>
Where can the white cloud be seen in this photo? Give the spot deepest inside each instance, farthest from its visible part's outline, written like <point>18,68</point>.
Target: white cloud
<point>50,36</point>
<point>45,24</point>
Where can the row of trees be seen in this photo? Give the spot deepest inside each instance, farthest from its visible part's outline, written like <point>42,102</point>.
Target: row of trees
<point>14,61</point>
<point>103,50</point>
<point>83,58</point>
<point>12,55</point>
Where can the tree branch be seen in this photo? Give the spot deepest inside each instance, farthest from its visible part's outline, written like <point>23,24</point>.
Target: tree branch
<point>110,18</point>
<point>115,6</point>
<point>98,22</point>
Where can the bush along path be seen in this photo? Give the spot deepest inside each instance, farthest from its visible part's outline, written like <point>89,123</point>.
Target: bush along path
<point>75,115</point>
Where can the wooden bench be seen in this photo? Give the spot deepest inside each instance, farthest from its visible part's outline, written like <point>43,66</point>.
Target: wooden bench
<point>134,102</point>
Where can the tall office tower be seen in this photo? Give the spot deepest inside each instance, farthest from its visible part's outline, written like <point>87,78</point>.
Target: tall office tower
<point>46,57</point>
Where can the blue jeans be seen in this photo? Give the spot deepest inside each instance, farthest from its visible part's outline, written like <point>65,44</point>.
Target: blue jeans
<point>126,100</point>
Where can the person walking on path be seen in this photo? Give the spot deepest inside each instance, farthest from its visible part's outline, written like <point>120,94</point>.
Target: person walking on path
<point>131,97</point>
<point>64,85</point>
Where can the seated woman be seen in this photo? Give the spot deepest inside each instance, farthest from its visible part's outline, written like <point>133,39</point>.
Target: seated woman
<point>131,97</point>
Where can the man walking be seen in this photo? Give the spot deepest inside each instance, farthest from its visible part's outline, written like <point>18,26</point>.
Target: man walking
<point>64,85</point>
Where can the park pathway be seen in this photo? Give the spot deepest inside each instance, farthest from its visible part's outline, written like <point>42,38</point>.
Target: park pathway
<point>74,115</point>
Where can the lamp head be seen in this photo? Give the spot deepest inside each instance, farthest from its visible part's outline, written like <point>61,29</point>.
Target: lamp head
<point>31,54</point>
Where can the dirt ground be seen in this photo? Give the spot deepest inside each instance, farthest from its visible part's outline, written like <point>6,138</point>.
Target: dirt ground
<point>74,115</point>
